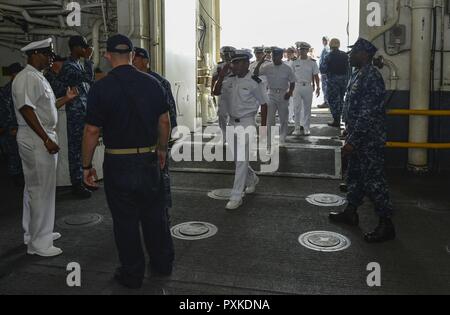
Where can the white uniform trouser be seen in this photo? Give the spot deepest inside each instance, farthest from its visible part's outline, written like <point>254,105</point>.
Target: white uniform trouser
<point>291,109</point>
<point>222,112</point>
<point>303,97</point>
<point>39,169</point>
<point>245,176</point>
<point>277,103</point>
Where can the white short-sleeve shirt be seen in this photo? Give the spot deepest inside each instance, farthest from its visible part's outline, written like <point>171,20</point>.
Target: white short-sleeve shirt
<point>305,69</point>
<point>278,77</point>
<point>245,95</point>
<point>31,88</point>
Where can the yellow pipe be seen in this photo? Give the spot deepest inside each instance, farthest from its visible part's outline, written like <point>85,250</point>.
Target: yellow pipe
<point>411,112</point>
<point>407,145</point>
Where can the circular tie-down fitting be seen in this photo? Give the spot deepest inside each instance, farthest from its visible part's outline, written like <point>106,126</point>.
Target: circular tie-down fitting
<point>326,200</point>
<point>323,241</point>
<point>194,231</point>
<point>79,221</point>
<point>220,194</point>
<point>434,206</point>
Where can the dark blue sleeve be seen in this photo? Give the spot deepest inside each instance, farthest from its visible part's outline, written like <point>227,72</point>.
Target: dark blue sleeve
<point>324,64</point>
<point>71,76</point>
<point>372,107</point>
<point>96,111</point>
<point>163,106</point>
<point>3,110</point>
<point>171,102</point>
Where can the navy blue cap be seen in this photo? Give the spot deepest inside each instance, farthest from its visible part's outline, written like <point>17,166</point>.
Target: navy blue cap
<point>277,51</point>
<point>141,52</point>
<point>364,45</point>
<point>78,41</point>
<point>119,44</point>
<point>14,68</point>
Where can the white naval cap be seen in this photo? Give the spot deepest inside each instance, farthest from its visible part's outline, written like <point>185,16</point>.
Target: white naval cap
<point>242,54</point>
<point>43,44</point>
<point>303,45</point>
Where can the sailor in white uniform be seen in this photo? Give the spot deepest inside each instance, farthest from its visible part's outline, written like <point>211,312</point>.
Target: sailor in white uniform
<point>36,112</point>
<point>291,53</point>
<point>307,74</point>
<point>281,85</point>
<point>260,55</point>
<point>226,53</point>
<point>245,95</point>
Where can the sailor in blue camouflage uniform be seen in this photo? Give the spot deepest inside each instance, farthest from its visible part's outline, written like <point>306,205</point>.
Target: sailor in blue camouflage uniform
<point>324,77</point>
<point>142,62</point>
<point>79,75</point>
<point>52,76</point>
<point>8,123</point>
<point>336,68</point>
<point>365,144</point>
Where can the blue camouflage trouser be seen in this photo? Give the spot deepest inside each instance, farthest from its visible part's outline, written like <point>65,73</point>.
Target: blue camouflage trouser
<point>366,177</point>
<point>76,115</point>
<point>337,87</point>
<point>10,147</point>
<point>324,80</point>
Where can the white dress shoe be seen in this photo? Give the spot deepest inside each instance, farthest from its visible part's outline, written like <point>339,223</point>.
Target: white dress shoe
<point>234,204</point>
<point>56,236</point>
<point>307,133</point>
<point>50,252</point>
<point>251,189</point>
<point>297,132</point>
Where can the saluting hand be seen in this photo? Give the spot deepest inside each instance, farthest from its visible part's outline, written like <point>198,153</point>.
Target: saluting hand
<point>88,53</point>
<point>223,73</point>
<point>263,60</point>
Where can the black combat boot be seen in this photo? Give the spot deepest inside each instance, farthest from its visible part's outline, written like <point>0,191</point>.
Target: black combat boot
<point>127,280</point>
<point>335,124</point>
<point>349,216</point>
<point>384,232</point>
<point>80,192</point>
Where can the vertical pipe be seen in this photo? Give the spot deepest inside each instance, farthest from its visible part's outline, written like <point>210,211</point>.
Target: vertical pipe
<point>420,80</point>
<point>131,19</point>
<point>218,29</point>
<point>96,41</point>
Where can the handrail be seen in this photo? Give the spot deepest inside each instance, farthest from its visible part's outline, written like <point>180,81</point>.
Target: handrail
<point>408,145</point>
<point>417,112</point>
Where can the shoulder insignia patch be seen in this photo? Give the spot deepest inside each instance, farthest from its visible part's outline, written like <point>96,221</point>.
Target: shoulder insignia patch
<point>257,79</point>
